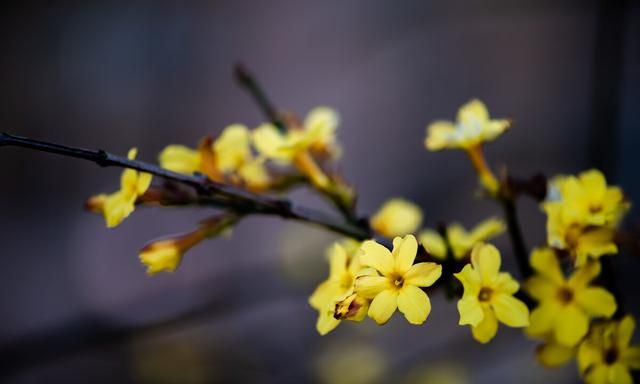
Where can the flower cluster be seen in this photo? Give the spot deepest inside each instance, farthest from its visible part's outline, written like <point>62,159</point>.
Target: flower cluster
<point>262,160</point>
<point>370,279</point>
<point>472,129</point>
<point>583,213</point>
<point>566,304</point>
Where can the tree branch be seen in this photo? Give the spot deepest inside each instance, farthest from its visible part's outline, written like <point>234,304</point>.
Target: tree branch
<point>218,194</point>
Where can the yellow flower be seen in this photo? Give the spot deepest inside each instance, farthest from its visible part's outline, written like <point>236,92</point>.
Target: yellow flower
<point>605,357</point>
<point>165,255</point>
<point>566,305</point>
<point>233,156</point>
<point>582,215</point>
<point>229,156</point>
<point>161,256</point>
<point>397,217</point>
<point>317,134</point>
<point>588,200</point>
<point>343,269</point>
<point>488,295</point>
<point>182,159</point>
<point>118,205</point>
<point>472,128</point>
<point>399,280</point>
<point>460,240</point>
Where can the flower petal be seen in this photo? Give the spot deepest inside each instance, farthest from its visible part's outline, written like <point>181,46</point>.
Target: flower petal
<point>486,330</point>
<point>631,357</point>
<point>324,295</point>
<point>543,318</point>
<point>143,182</point>
<point>553,355</point>
<point>337,261</point>
<point>423,274</point>
<point>406,254</point>
<point>470,279</point>
<point>596,301</point>
<point>540,287</point>
<point>433,243</point>
<point>545,262</point>
<point>414,304</point>
<point>625,331</point>
<point>594,184</point>
<point>510,310</point>
<point>326,322</point>
<point>588,356</point>
<point>397,217</point>
<point>470,311</point>
<point>383,306</point>
<point>371,286</point>
<point>571,325</point>
<point>439,135</point>
<point>377,256</point>
<point>619,374</point>
<point>486,260</point>
<point>598,374</point>
<point>583,275</point>
<point>487,229</point>
<point>506,284</point>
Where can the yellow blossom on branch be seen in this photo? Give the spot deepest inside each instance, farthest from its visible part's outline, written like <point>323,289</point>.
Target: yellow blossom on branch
<point>472,128</point>
<point>298,144</point>
<point>605,357</point>
<point>460,240</point>
<point>316,134</point>
<point>398,281</point>
<point>182,159</point>
<point>582,215</point>
<point>488,295</point>
<point>166,254</point>
<point>227,159</point>
<point>588,200</point>
<point>397,217</point>
<point>344,267</point>
<point>566,305</point>
<point>118,206</point>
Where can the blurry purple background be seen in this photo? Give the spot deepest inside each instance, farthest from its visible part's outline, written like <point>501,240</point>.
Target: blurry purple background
<point>75,303</point>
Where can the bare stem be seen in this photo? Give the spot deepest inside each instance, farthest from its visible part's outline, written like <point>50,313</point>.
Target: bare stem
<point>248,81</point>
<point>515,234</point>
<point>217,194</point>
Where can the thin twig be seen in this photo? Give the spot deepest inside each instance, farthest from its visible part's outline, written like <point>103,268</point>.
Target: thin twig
<point>248,81</point>
<point>515,234</point>
<point>235,198</point>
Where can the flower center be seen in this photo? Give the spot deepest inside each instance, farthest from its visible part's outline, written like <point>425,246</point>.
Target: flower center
<point>485,294</point>
<point>611,355</point>
<point>398,281</point>
<point>565,295</point>
<point>594,208</point>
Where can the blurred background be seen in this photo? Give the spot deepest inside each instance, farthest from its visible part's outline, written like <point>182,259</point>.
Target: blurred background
<point>75,303</point>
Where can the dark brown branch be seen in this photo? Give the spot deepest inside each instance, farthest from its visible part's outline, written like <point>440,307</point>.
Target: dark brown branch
<point>218,194</point>
<point>248,81</point>
<point>515,234</point>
